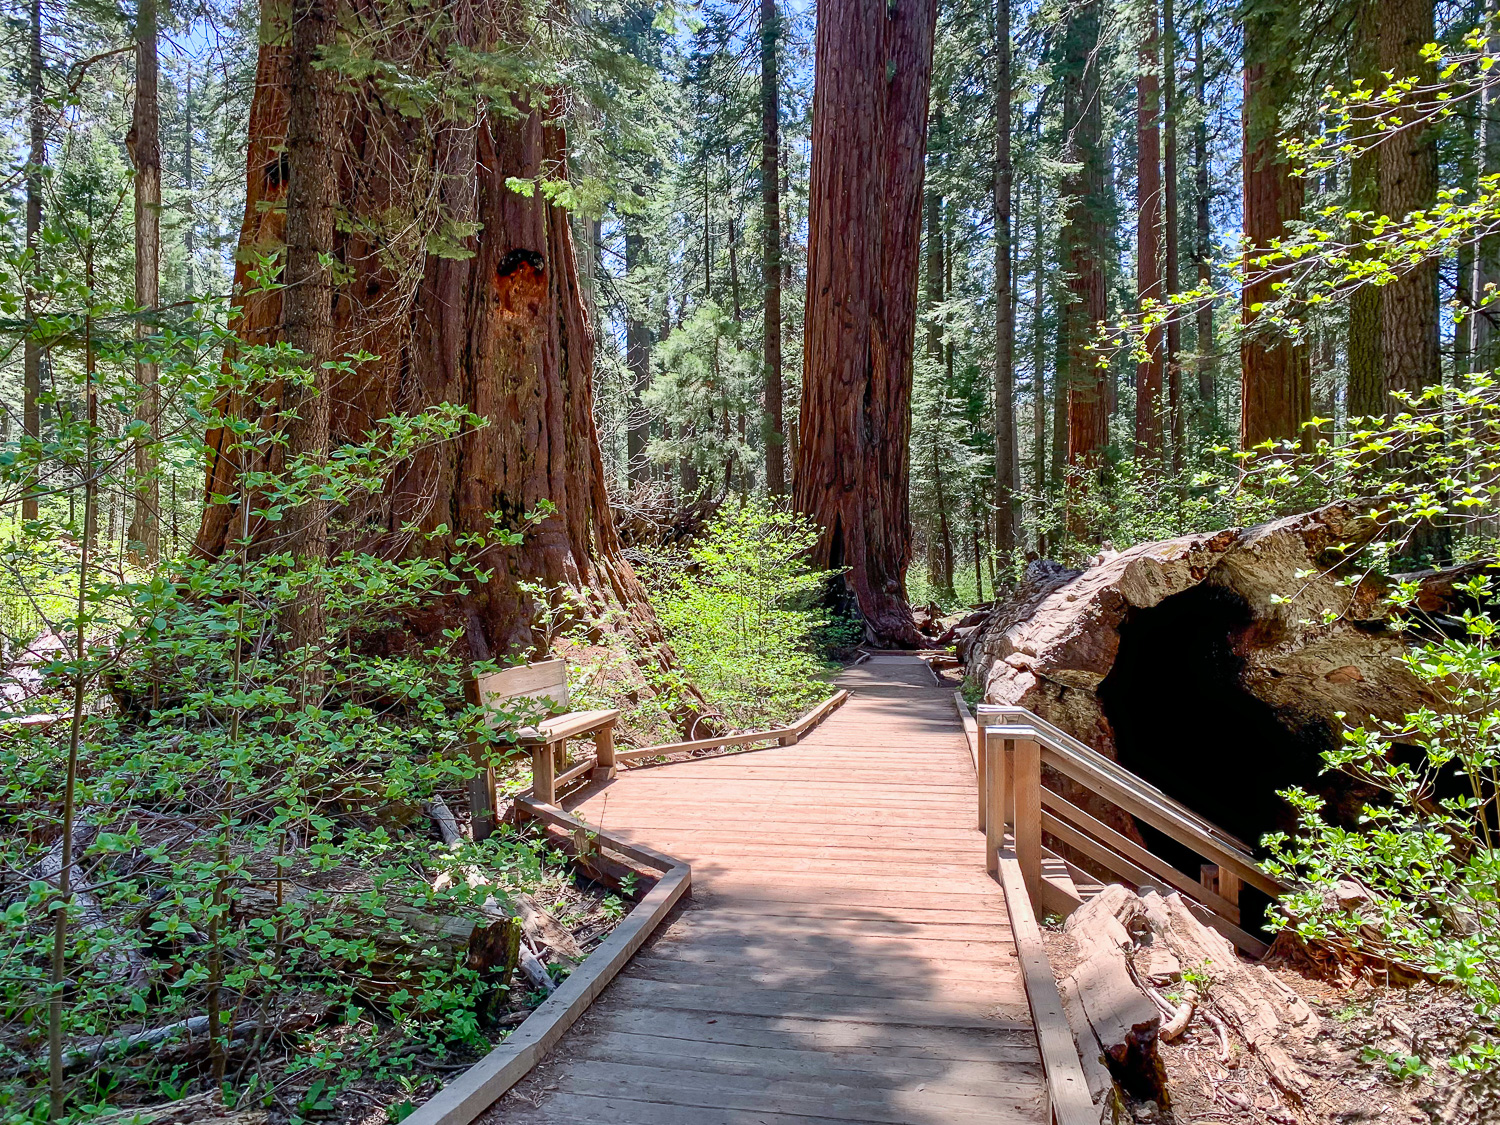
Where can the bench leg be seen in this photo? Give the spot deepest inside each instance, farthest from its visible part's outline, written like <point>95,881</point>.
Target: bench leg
<point>604,753</point>
<point>543,785</point>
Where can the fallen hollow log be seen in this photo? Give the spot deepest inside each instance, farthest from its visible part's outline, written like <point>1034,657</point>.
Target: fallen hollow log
<point>1217,666</point>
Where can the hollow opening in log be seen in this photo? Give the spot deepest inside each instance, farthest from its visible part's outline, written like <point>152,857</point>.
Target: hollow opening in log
<point>1183,720</point>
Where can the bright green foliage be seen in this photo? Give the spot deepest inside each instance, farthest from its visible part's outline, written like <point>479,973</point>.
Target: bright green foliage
<point>742,610</point>
<point>1421,867</point>
<point>1425,857</point>
<point>248,819</point>
<point>1129,505</point>
<point>704,387</point>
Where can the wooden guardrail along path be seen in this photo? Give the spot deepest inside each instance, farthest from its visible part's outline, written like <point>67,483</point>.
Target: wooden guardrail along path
<point>844,956</point>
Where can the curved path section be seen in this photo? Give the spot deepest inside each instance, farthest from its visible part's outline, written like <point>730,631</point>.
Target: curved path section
<point>844,956</point>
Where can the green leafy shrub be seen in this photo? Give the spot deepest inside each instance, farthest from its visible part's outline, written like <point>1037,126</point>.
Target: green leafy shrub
<point>742,609</point>
<point>1416,879</point>
<point>251,855</point>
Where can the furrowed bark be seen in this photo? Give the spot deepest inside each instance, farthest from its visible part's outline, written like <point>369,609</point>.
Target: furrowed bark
<point>770,182</point>
<point>873,70</point>
<point>145,151</point>
<point>500,329</point>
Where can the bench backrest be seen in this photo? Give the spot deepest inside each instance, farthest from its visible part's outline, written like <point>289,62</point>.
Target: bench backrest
<point>547,679</point>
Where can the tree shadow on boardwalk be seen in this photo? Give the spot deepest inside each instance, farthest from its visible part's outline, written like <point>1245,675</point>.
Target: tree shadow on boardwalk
<point>843,957</point>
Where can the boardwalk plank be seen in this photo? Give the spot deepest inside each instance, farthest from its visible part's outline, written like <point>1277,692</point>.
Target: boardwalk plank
<point>844,957</point>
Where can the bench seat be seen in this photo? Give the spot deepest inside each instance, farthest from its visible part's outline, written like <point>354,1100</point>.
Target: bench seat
<point>571,725</point>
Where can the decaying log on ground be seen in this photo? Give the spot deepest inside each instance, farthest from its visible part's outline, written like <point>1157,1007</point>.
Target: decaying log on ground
<point>206,1106</point>
<point>192,1030</point>
<point>1248,642</point>
<point>1102,1089</point>
<point>1124,1021</point>
<point>1270,1018</point>
<point>123,959</point>
<point>420,939</point>
<point>540,925</point>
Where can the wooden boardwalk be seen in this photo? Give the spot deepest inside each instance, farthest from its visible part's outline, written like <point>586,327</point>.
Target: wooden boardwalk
<point>844,956</point>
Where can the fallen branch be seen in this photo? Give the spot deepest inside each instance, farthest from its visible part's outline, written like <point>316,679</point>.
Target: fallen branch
<point>191,1028</point>
<point>124,959</point>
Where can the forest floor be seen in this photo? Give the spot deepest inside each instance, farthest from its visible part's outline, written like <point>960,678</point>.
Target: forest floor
<point>1379,1058</point>
<point>577,903</point>
<point>1381,1055</point>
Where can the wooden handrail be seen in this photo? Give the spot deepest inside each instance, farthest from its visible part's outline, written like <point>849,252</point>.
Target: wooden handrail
<point>784,736</point>
<point>1015,743</point>
<point>1098,774</point>
<point>1063,743</point>
<point>546,780</point>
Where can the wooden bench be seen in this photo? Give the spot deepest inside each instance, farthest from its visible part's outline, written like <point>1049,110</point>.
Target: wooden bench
<point>548,680</point>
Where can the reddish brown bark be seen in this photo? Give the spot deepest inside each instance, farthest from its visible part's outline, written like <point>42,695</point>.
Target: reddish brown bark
<point>1148,242</point>
<point>1410,359</point>
<point>1169,227</point>
<point>1276,377</point>
<point>1084,237</point>
<point>869,140</point>
<point>503,332</point>
<point>770,183</point>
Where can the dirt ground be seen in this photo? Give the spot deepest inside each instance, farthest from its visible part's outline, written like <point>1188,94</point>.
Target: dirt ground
<point>1381,1055</point>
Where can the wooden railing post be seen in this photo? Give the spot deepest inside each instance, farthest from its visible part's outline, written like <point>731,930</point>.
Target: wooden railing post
<point>981,773</point>
<point>543,773</point>
<point>481,784</point>
<point>1026,788</point>
<point>604,753</point>
<point>992,798</point>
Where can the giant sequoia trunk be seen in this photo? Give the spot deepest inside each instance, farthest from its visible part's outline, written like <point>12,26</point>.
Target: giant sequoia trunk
<point>466,292</point>
<point>869,140</point>
<point>1084,240</point>
<point>1276,377</point>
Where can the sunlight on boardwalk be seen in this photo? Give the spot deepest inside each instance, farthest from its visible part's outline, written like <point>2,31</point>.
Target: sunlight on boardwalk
<point>844,957</point>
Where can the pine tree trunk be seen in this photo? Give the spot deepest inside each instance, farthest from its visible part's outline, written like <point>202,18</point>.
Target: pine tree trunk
<point>1486,268</point>
<point>934,247</point>
<point>443,326</point>
<point>1084,237</point>
<point>638,361</point>
<point>189,240</point>
<point>1207,346</point>
<point>1410,359</point>
<point>1275,377</point>
<point>1062,301</point>
<point>943,540</point>
<point>31,416</point>
<point>1169,230</point>
<point>1039,348</point>
<point>145,150</point>
<point>770,181</point>
<point>1148,263</point>
<point>1365,395</point>
<point>307,307</point>
<point>1005,308</point>
<point>873,71</point>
